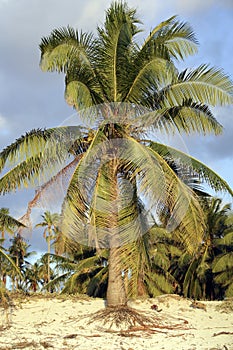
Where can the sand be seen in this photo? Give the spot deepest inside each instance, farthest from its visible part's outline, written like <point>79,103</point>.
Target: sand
<point>63,323</point>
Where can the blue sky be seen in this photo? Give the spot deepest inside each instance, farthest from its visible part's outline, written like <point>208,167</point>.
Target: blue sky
<point>30,98</point>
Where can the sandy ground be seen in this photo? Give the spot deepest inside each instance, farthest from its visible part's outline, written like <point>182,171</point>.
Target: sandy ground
<point>39,323</point>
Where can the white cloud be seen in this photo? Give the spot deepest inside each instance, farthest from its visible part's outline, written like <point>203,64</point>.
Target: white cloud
<point>2,121</point>
<point>4,126</point>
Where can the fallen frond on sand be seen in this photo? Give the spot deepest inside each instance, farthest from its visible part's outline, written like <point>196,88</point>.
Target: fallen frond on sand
<point>226,306</point>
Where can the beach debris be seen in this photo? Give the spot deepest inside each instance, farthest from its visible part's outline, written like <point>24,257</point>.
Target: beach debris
<point>197,305</point>
<point>155,307</point>
<point>222,333</point>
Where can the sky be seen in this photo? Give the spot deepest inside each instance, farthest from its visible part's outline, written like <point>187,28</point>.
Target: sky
<point>30,98</point>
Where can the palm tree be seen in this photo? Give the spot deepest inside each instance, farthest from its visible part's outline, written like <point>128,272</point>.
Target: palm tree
<point>18,252</point>
<point>126,90</point>
<point>83,271</point>
<point>196,273</point>
<point>223,262</point>
<point>34,275</point>
<point>7,224</point>
<point>50,222</point>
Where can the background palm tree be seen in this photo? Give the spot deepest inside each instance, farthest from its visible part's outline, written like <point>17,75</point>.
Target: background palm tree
<point>7,224</point>
<point>82,271</point>
<point>196,273</point>
<point>115,167</point>
<point>35,276</point>
<point>18,251</point>
<point>50,222</point>
<point>223,262</point>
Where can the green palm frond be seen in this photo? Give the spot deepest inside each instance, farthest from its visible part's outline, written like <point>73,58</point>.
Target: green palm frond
<point>82,89</point>
<point>190,117</point>
<point>44,154</point>
<point>115,39</point>
<point>52,143</point>
<point>226,240</point>
<point>158,283</point>
<point>145,165</point>
<point>97,281</point>
<point>204,84</point>
<point>151,72</point>
<point>176,38</point>
<point>57,281</point>
<point>11,261</point>
<point>7,222</point>
<point>21,175</point>
<point>223,262</point>
<point>63,46</point>
<point>203,171</point>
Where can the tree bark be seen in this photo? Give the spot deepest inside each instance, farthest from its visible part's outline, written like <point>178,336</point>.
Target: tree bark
<point>116,295</point>
<point>48,261</point>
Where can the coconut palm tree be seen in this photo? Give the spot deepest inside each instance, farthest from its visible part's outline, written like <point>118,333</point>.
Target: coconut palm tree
<point>196,273</point>
<point>83,271</point>
<point>34,276</point>
<point>126,91</point>
<point>50,222</point>
<point>18,251</point>
<point>223,262</point>
<point>7,224</point>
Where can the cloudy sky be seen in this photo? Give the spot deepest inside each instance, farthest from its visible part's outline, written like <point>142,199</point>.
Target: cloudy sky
<point>31,99</point>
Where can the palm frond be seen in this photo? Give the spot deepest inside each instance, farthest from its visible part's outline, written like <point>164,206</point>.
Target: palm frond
<point>151,72</point>
<point>190,117</point>
<point>115,39</point>
<point>12,263</point>
<point>204,172</point>
<point>204,84</point>
<point>223,262</point>
<point>176,37</point>
<point>62,47</point>
<point>52,143</point>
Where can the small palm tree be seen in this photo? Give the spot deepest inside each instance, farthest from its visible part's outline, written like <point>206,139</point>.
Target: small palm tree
<point>84,271</point>
<point>7,224</point>
<point>34,276</point>
<point>18,252</point>
<point>50,222</point>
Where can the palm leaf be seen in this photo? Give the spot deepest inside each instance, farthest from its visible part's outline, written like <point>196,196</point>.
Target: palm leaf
<point>51,144</point>
<point>190,117</point>
<point>8,258</point>
<point>176,37</point>
<point>62,47</point>
<point>204,172</point>
<point>204,85</point>
<point>114,40</point>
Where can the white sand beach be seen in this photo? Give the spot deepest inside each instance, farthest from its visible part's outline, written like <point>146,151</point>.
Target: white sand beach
<point>63,323</point>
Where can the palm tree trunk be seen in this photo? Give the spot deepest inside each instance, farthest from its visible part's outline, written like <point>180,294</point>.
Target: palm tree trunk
<point>116,295</point>
<point>16,278</point>
<point>1,272</point>
<point>48,261</point>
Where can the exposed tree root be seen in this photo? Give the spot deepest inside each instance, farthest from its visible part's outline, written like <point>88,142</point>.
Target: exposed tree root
<point>125,321</point>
